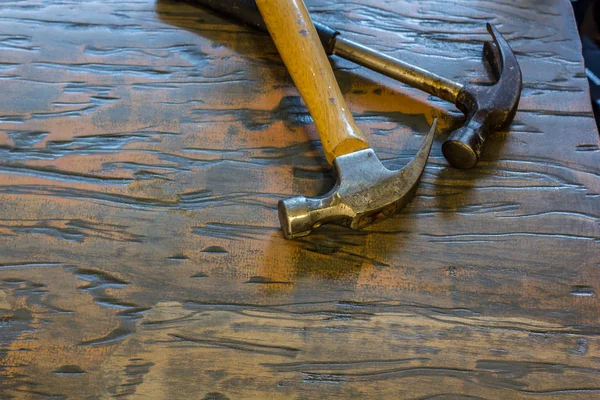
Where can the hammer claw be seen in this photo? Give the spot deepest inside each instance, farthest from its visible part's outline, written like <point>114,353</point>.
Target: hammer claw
<point>417,164</point>
<point>493,57</point>
<point>366,192</point>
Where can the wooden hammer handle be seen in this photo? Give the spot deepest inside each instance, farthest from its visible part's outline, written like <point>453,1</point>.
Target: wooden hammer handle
<point>296,39</point>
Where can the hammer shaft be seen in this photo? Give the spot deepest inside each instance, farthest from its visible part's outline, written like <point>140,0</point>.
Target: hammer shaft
<point>298,44</point>
<point>412,75</point>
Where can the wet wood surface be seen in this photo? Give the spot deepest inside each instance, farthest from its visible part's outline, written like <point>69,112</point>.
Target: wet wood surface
<point>144,146</point>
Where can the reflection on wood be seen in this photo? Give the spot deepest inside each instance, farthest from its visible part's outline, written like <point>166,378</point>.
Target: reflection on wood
<point>145,145</point>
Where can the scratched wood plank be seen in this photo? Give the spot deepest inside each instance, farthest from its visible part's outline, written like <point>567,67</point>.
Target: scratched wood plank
<point>144,146</point>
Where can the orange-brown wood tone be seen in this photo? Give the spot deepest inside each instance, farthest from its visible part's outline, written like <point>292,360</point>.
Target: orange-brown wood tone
<point>296,39</point>
<point>145,146</point>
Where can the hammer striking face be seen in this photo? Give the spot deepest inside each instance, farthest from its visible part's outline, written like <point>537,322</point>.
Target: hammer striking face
<point>365,192</point>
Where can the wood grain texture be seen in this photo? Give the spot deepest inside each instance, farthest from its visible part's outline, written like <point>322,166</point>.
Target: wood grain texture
<point>144,146</point>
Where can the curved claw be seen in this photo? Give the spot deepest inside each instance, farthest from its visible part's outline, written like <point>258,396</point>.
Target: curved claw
<point>500,56</point>
<point>414,169</point>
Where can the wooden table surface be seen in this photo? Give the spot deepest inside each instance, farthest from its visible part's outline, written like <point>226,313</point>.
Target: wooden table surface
<point>144,146</point>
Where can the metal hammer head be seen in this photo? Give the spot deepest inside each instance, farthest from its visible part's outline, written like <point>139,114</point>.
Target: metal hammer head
<point>365,192</point>
<point>487,108</point>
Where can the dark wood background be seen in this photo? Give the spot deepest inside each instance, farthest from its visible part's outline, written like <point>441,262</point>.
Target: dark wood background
<point>144,147</point>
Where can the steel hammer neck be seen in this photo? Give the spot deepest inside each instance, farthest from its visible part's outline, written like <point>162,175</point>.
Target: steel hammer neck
<point>412,75</point>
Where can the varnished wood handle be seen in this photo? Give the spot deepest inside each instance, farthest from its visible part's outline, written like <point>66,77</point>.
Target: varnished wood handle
<point>296,39</point>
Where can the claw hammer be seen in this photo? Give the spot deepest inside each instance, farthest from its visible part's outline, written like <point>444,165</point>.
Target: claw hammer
<point>365,191</point>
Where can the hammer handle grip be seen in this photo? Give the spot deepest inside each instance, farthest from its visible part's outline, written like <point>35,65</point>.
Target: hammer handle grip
<point>296,39</point>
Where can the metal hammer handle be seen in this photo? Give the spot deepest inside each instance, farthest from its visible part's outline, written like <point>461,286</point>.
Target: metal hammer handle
<point>296,39</point>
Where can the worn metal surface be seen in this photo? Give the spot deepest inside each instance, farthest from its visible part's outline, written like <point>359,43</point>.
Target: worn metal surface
<point>365,192</point>
<point>487,108</point>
